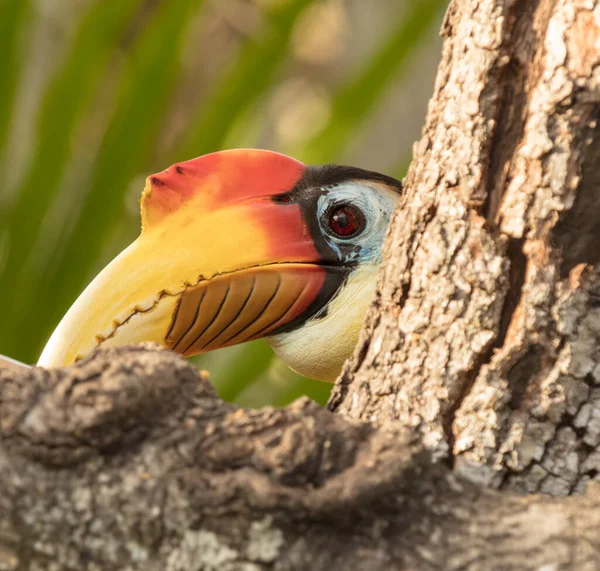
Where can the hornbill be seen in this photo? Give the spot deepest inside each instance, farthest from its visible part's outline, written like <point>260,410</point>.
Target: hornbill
<point>238,245</point>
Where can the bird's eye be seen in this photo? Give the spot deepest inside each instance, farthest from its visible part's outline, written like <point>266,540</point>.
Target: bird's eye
<point>345,221</point>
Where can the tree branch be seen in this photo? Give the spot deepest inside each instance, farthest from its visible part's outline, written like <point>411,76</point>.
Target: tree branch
<point>129,460</point>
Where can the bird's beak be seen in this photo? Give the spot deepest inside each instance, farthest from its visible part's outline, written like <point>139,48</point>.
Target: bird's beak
<point>8,363</point>
<point>222,259</point>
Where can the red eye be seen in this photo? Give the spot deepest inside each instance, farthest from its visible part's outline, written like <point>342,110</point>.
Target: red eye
<point>346,221</point>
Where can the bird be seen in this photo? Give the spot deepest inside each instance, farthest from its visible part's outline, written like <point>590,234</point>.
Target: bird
<point>238,245</point>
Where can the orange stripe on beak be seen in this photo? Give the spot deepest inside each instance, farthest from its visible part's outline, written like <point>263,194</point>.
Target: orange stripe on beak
<point>217,180</point>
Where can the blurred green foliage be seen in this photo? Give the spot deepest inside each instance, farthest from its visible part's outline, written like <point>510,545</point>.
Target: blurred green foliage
<point>124,64</point>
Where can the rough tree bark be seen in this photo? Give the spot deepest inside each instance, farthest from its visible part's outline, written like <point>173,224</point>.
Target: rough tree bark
<point>485,337</point>
<point>476,379</point>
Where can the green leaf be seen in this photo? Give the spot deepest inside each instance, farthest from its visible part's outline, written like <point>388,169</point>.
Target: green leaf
<point>152,72</point>
<point>356,98</point>
<point>240,86</point>
<point>233,369</point>
<point>279,385</point>
<point>32,304</point>
<point>68,94</point>
<point>13,20</point>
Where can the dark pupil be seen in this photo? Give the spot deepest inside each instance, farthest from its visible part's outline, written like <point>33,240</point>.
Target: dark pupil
<point>344,221</point>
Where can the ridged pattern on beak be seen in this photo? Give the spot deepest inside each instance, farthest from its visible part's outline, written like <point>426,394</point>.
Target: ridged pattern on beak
<point>238,307</point>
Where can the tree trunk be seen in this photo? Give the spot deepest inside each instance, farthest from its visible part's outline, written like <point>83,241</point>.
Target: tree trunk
<point>485,336</point>
<point>477,368</point>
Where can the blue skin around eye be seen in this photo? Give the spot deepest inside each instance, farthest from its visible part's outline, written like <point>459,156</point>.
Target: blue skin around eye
<point>376,204</point>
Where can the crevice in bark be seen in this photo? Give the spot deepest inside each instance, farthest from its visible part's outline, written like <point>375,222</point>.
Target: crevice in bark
<point>516,279</point>
<point>509,119</point>
<point>516,74</point>
<point>577,233</point>
<point>521,374</point>
<point>449,417</point>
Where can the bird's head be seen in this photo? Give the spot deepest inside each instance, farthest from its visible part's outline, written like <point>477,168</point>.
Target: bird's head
<point>238,245</point>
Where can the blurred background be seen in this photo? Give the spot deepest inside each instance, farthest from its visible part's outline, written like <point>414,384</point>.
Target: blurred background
<point>95,95</point>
